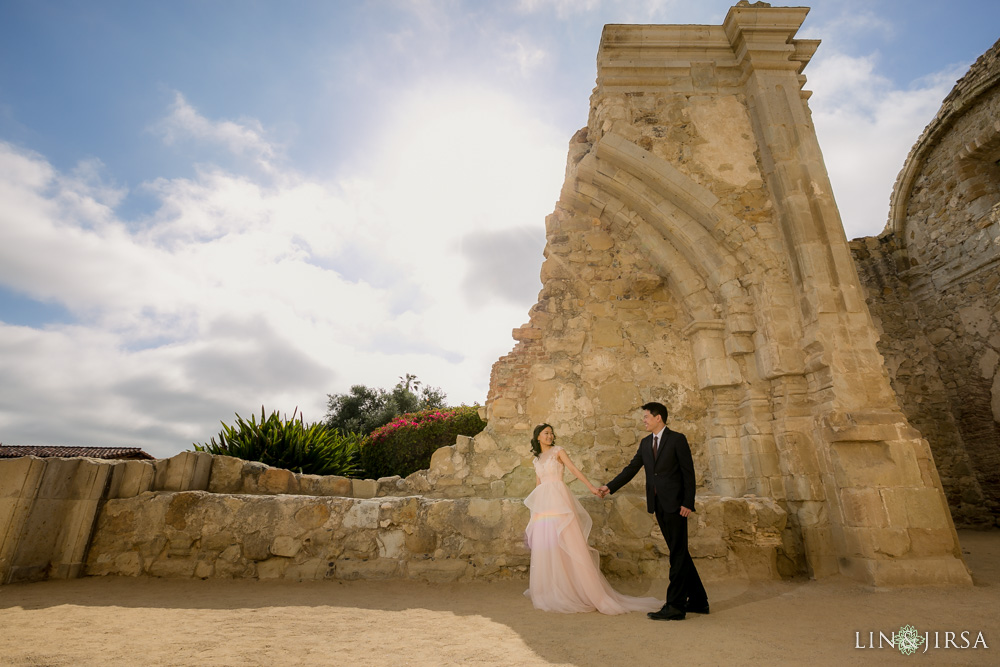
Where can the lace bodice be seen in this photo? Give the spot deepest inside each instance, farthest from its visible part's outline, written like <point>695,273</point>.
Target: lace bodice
<point>548,467</point>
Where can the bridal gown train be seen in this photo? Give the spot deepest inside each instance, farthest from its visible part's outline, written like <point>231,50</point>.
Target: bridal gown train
<point>565,575</point>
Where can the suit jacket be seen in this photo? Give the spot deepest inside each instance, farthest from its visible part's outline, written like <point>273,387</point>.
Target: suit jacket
<point>669,479</point>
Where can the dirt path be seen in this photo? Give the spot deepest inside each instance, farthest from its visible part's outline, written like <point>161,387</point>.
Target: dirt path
<point>122,621</point>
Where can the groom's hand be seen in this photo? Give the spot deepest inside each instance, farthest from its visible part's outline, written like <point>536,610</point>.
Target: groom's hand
<point>685,512</point>
<point>604,491</point>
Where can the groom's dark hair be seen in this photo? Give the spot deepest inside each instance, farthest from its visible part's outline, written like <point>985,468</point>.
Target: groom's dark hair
<point>657,409</point>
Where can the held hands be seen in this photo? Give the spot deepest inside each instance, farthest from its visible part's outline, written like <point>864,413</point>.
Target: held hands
<point>603,492</point>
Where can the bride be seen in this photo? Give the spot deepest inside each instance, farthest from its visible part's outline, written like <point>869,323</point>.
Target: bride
<point>565,575</point>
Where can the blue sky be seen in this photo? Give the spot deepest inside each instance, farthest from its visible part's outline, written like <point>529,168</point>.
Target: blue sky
<point>210,206</point>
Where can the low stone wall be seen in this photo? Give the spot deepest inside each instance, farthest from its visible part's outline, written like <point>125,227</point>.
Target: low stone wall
<point>198,515</point>
<point>205,535</point>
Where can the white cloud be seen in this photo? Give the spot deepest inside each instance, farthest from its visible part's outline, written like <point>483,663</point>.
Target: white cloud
<point>243,139</point>
<point>854,22</point>
<point>273,289</point>
<point>616,11</point>
<point>527,56</point>
<point>866,127</point>
<point>562,8</point>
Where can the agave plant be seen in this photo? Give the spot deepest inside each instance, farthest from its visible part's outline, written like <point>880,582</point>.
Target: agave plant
<point>289,444</point>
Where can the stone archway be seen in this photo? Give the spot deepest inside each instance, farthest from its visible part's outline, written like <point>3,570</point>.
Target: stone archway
<point>696,256</point>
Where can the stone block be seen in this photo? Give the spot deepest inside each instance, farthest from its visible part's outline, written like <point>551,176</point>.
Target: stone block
<point>403,511</point>
<point>728,466</point>
<point>926,542</point>
<point>500,464</point>
<point>363,488</point>
<point>859,542</point>
<point>443,460</point>
<point>502,408</point>
<point>707,547</point>
<point>420,539</point>
<point>71,479</point>
<point>256,546</point>
<point>277,481</point>
<point>19,477</point>
<point>391,544</point>
<point>325,485</point>
<point>187,471</point>
<point>218,541</point>
<point>363,514</point>
<point>133,478</point>
<point>285,546</point>
<point>911,572</point>
<point>312,516</point>
<point>488,511</point>
<point>874,464</point>
<point>804,488</point>
<point>128,564</point>
<point>863,507</point>
<point>891,542</point>
<point>203,570</point>
<point>925,507</point>
<point>226,475</point>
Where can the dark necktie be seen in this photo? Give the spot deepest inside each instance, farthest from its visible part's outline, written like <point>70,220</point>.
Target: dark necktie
<point>656,443</point>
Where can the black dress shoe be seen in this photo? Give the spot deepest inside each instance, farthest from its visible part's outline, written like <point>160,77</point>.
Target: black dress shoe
<point>667,614</point>
<point>698,609</point>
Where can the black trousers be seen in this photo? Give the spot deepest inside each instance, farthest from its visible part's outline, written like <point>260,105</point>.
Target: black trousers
<point>685,584</point>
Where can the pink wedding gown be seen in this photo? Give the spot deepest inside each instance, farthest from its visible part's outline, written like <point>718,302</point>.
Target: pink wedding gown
<point>565,573</point>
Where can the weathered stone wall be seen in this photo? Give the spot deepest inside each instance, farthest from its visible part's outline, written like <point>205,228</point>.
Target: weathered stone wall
<point>607,349</point>
<point>48,509</point>
<point>196,515</point>
<point>696,257</point>
<point>199,534</point>
<point>932,282</point>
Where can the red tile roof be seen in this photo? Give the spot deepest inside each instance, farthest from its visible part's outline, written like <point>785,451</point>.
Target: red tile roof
<point>14,451</point>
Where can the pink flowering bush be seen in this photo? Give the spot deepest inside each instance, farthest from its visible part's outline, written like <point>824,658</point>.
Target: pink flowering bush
<point>405,444</point>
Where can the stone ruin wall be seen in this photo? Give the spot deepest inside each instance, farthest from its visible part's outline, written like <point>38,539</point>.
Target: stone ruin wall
<point>201,516</point>
<point>932,280</point>
<point>696,257</point>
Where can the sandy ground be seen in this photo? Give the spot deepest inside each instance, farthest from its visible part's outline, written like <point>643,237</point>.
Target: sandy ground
<point>123,621</point>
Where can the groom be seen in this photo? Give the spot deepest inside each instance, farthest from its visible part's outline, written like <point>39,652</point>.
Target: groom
<point>666,457</point>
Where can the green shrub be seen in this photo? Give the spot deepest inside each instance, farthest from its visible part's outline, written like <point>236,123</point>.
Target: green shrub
<point>365,409</point>
<point>405,444</point>
<point>289,444</point>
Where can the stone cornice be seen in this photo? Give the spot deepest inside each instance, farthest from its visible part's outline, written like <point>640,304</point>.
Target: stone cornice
<point>763,37</point>
<point>695,57</point>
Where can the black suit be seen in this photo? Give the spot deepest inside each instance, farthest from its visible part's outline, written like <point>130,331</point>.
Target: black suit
<point>670,485</point>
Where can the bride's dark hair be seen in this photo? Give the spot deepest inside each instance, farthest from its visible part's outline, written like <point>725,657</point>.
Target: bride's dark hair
<point>536,447</point>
